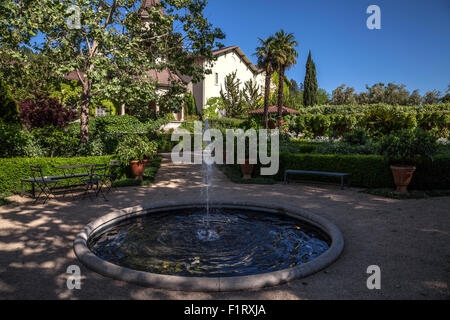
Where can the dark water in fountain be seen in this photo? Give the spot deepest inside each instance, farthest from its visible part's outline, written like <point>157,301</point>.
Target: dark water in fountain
<point>236,243</point>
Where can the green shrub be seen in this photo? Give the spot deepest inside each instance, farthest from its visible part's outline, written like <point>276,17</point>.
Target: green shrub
<point>352,109</point>
<point>210,113</point>
<point>356,137</point>
<point>15,142</point>
<point>377,122</point>
<point>408,147</point>
<point>434,121</point>
<point>190,106</point>
<point>9,109</point>
<point>432,174</point>
<point>15,169</point>
<point>294,146</point>
<point>112,129</point>
<point>323,125</point>
<point>382,120</point>
<point>135,147</point>
<point>94,147</point>
<point>165,144</point>
<point>117,125</point>
<point>188,125</point>
<point>345,148</point>
<point>54,141</point>
<point>227,123</point>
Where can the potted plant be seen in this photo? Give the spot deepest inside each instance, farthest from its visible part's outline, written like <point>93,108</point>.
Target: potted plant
<point>136,151</point>
<point>247,169</point>
<point>404,150</point>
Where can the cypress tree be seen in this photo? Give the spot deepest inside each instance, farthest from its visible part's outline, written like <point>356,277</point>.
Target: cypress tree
<point>310,83</point>
<point>9,109</point>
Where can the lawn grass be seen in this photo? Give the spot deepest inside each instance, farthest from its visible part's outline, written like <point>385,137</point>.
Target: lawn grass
<point>413,194</point>
<point>147,178</point>
<point>233,172</point>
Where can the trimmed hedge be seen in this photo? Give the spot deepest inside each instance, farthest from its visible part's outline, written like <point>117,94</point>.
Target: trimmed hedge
<point>369,171</point>
<point>378,121</point>
<point>12,170</point>
<point>351,109</point>
<point>433,174</point>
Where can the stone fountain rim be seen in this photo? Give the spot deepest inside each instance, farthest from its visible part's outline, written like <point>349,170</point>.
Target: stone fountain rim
<point>206,284</point>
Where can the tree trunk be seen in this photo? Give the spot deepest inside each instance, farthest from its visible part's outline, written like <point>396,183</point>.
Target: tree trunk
<point>85,101</point>
<point>280,96</point>
<point>266,100</point>
<point>122,109</point>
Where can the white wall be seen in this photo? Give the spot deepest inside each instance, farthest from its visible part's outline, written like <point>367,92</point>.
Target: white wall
<point>224,65</point>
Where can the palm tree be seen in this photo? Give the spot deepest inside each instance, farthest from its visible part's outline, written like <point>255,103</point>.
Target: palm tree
<point>285,57</point>
<point>266,61</point>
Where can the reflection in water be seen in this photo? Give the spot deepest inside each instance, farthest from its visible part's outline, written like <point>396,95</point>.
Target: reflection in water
<point>237,242</point>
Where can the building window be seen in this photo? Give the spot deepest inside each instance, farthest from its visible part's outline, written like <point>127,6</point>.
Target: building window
<point>216,79</point>
<point>100,112</point>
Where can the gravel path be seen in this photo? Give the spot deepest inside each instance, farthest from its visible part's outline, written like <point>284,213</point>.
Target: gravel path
<point>408,239</point>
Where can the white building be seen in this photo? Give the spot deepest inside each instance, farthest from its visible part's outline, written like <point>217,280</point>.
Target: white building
<point>229,59</point>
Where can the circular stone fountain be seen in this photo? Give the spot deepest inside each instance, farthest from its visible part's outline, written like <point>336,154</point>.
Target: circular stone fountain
<point>237,245</point>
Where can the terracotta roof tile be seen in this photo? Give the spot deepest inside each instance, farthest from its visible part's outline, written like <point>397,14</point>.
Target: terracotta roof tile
<point>164,78</point>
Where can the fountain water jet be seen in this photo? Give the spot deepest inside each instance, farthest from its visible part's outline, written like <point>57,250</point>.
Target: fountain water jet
<point>207,234</point>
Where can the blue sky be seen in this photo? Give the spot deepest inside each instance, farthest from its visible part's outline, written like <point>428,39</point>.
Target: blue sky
<point>412,47</point>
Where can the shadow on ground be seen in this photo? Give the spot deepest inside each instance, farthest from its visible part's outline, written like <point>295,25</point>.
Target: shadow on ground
<point>408,239</point>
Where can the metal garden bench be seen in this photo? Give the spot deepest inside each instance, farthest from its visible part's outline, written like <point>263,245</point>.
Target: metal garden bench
<point>321,173</point>
<point>53,178</point>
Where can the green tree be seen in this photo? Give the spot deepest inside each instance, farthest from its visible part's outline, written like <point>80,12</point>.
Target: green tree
<point>396,94</point>
<point>252,94</point>
<point>191,108</point>
<point>232,96</point>
<point>118,42</point>
<point>285,57</point>
<point>376,93</point>
<point>322,96</point>
<point>432,97</point>
<point>266,61</point>
<point>414,99</point>
<point>343,95</point>
<point>9,109</point>
<point>310,83</point>
<point>446,98</point>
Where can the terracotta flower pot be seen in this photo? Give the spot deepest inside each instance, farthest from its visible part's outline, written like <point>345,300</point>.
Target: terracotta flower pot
<point>137,168</point>
<point>402,177</point>
<point>247,169</point>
